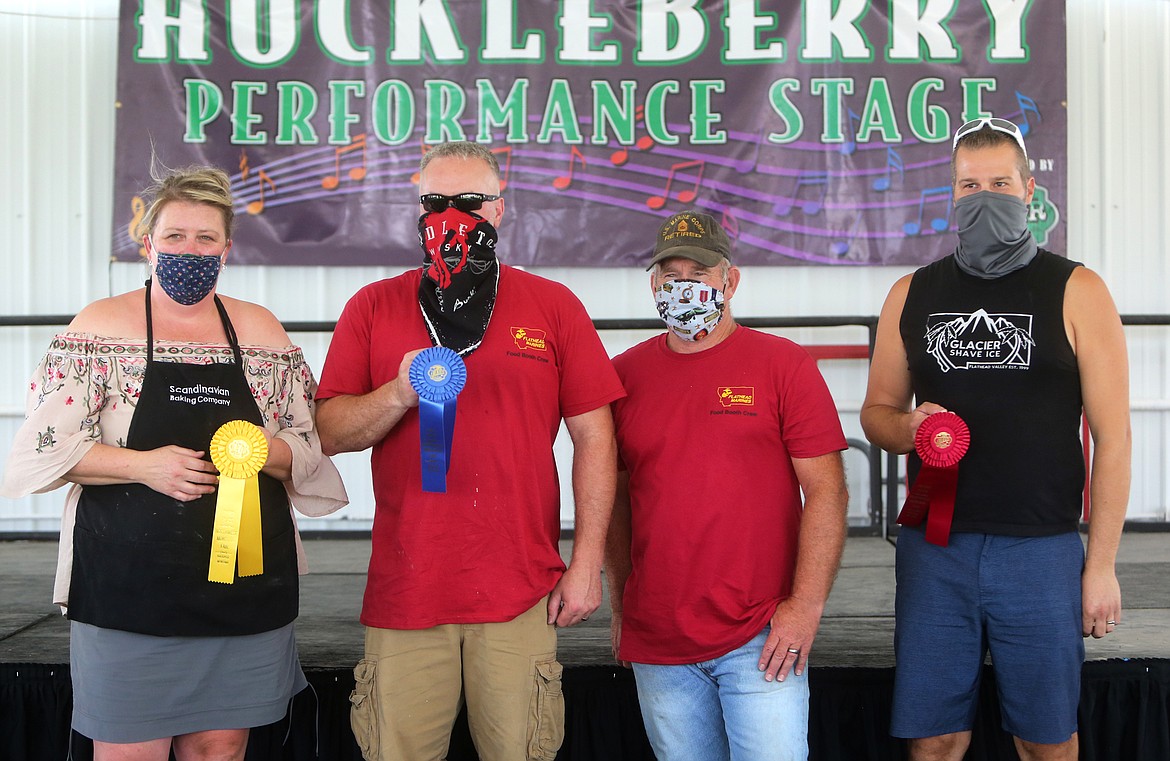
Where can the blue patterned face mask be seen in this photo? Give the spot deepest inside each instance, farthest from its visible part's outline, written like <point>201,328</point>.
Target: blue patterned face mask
<point>187,278</point>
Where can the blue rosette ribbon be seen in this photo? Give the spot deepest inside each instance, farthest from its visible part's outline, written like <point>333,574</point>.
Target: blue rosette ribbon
<point>437,375</point>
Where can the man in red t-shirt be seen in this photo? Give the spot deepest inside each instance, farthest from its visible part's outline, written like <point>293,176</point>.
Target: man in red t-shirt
<point>466,585</point>
<point>718,575</point>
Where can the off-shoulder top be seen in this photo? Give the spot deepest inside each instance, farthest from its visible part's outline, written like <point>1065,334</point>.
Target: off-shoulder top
<point>85,390</point>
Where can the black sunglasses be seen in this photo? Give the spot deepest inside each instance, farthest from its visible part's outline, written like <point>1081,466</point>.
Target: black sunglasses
<point>436,202</point>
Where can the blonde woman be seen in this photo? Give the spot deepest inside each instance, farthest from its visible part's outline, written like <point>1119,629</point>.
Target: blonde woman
<point>123,408</point>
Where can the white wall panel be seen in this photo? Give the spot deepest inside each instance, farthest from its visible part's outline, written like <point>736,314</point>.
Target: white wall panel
<point>56,160</point>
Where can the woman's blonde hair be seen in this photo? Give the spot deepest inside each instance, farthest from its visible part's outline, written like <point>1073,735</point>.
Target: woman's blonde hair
<point>193,184</point>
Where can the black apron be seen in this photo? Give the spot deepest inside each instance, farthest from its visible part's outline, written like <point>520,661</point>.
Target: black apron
<point>140,558</point>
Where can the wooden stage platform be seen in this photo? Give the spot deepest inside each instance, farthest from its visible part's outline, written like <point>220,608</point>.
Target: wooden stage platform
<point>1125,712</point>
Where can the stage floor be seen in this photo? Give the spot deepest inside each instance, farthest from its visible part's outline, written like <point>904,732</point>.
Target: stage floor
<point>857,630</point>
<point>1124,693</point>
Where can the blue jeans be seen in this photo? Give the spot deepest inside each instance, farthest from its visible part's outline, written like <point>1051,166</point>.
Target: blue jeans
<point>723,710</point>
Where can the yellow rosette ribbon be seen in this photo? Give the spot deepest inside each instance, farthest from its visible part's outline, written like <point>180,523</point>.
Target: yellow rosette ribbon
<point>239,450</point>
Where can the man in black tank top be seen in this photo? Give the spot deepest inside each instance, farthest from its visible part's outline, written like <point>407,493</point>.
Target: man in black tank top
<point>1015,341</point>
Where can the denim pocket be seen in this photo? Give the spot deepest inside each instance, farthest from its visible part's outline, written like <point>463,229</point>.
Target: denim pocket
<point>546,720</point>
<point>363,708</point>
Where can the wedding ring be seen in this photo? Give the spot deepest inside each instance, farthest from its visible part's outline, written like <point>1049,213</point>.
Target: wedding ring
<point>1111,623</point>
<point>794,651</point>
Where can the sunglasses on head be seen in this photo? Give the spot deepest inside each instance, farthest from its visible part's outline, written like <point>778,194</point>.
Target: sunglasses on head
<point>437,202</point>
<point>999,125</point>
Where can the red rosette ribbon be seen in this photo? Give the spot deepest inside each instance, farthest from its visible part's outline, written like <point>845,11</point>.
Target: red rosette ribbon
<point>941,441</point>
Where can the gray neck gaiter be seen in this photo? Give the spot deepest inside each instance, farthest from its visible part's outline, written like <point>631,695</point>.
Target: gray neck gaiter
<point>994,238</point>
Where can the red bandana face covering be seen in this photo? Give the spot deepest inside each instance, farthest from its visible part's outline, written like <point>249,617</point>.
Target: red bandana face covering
<point>460,273</point>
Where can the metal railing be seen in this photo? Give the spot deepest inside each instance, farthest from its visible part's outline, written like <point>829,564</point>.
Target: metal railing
<point>884,477</point>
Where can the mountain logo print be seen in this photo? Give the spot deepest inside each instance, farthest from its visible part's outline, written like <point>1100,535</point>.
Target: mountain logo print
<point>980,341</point>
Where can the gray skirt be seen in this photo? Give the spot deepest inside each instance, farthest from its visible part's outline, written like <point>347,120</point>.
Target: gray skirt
<point>131,687</point>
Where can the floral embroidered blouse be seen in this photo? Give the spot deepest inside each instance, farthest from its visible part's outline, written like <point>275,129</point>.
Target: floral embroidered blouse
<point>85,390</point>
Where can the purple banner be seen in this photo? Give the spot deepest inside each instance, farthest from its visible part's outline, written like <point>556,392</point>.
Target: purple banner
<point>819,132</point>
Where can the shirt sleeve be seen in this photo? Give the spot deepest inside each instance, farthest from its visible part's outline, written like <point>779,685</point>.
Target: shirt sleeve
<point>316,487</point>
<point>588,380</point>
<point>809,423</point>
<point>66,395</point>
<point>347,365</point>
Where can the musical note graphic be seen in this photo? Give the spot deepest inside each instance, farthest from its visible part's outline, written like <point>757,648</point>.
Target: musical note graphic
<point>138,207</point>
<point>262,178</point>
<point>850,145</point>
<point>684,196</point>
<point>841,247</point>
<point>730,223</point>
<point>894,164</point>
<point>564,181</point>
<point>330,182</point>
<point>243,164</point>
<point>507,171</point>
<point>1027,106</point>
<point>644,143</point>
<point>932,195</point>
<point>818,181</point>
<point>747,165</point>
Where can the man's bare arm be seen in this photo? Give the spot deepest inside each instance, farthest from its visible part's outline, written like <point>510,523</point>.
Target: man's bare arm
<point>886,416</point>
<point>818,554</point>
<point>617,558</point>
<point>578,593</point>
<point>357,422</point>
<point>1098,339</point>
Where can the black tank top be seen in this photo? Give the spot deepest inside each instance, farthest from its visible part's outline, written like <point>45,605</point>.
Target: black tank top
<point>996,353</point>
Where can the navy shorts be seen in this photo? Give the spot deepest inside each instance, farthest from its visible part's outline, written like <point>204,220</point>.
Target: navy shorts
<point>1020,598</point>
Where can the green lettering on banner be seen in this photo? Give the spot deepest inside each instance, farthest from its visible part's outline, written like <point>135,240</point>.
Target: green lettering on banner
<point>702,116</point>
<point>297,102</point>
<point>832,88</point>
<point>393,112</point>
<point>655,111</point>
<point>560,116</point>
<point>783,106</point>
<point>340,117</point>
<point>445,103</point>
<point>877,115</point>
<point>242,115</point>
<point>204,101</point>
<point>928,122</point>
<point>973,89</point>
<point>511,113</point>
<point>607,111</point>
